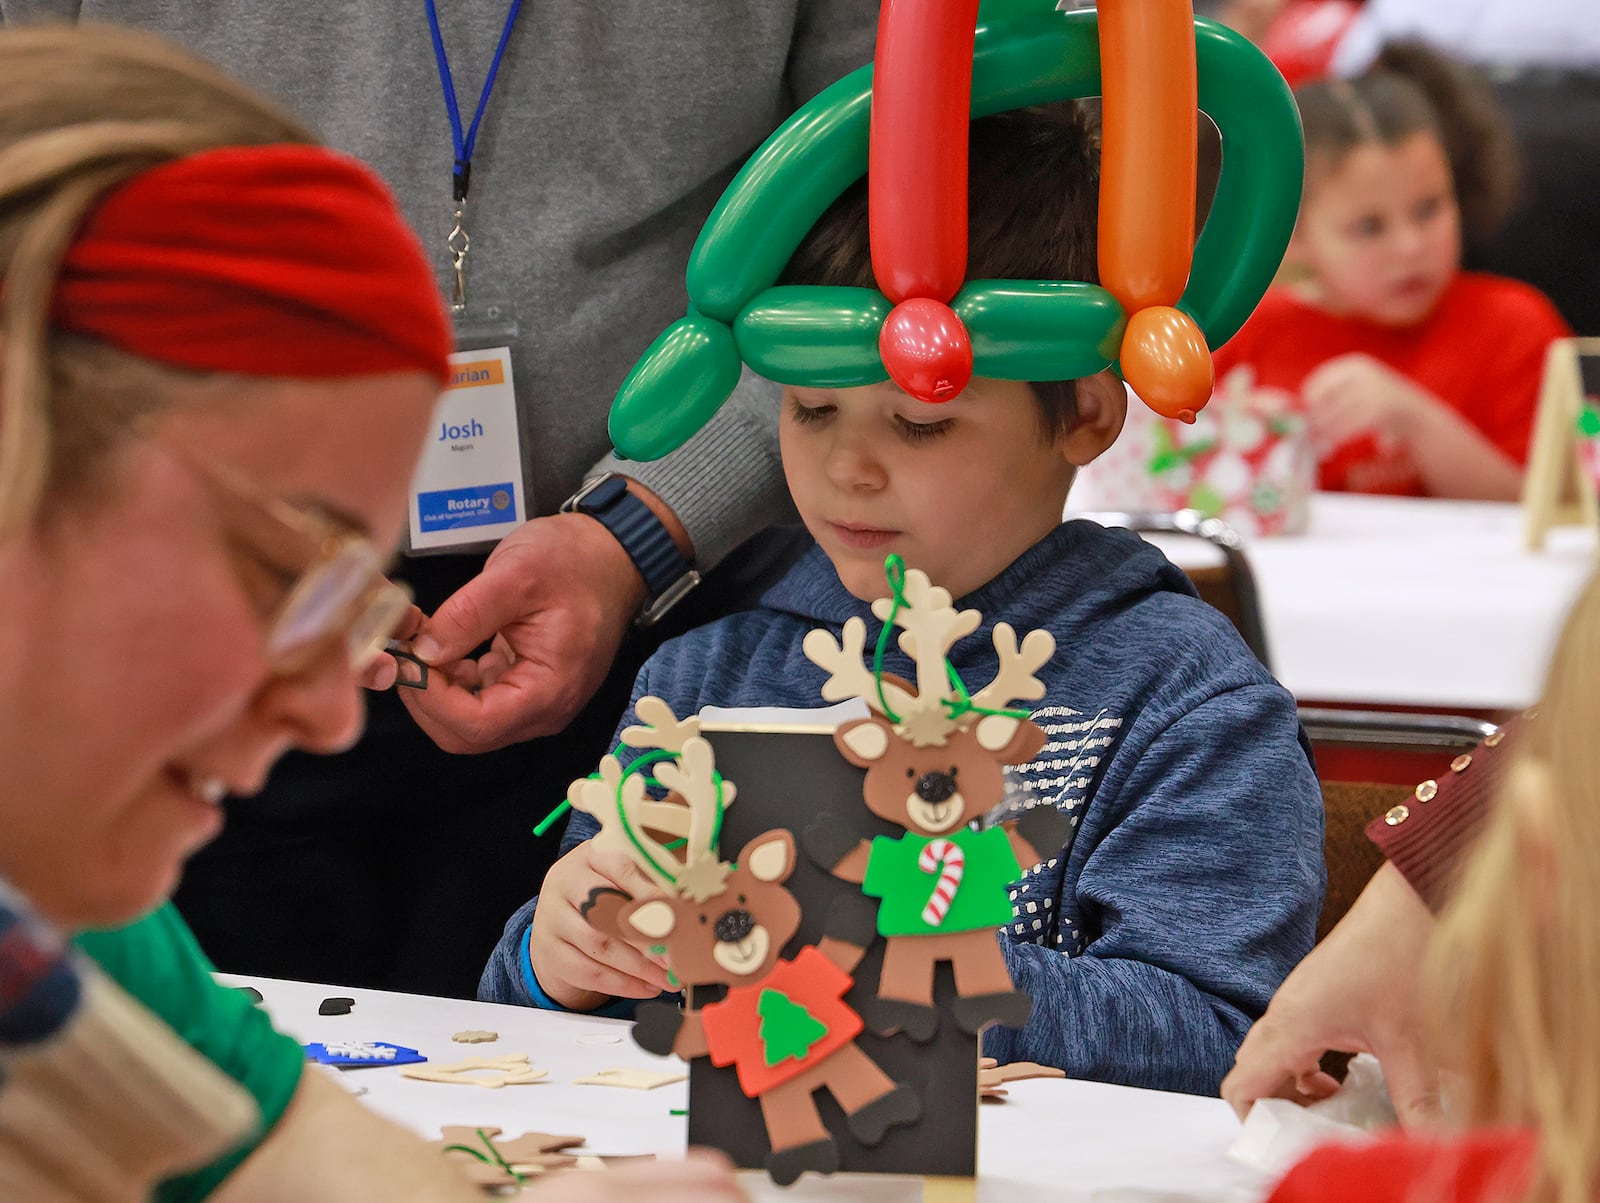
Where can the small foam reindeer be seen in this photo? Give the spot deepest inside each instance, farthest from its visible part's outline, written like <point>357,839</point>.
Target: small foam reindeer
<point>784,1025</point>
<point>935,761</point>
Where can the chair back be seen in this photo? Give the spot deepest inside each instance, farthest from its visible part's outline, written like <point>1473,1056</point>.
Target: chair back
<point>1229,586</point>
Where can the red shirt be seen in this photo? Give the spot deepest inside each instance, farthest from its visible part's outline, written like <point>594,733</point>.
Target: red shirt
<point>1486,1167</point>
<point>1481,351</point>
<point>733,1026</point>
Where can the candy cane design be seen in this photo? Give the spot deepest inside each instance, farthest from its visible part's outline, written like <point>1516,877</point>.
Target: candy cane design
<point>948,861</point>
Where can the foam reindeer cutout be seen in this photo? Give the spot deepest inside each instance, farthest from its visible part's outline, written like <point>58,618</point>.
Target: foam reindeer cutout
<point>935,761</point>
<point>784,1025</point>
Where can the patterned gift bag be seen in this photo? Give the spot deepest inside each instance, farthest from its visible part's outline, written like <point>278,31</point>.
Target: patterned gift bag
<point>1246,459</point>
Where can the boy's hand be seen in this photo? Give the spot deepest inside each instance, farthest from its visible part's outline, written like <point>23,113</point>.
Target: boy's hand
<point>1354,394</point>
<point>578,966</point>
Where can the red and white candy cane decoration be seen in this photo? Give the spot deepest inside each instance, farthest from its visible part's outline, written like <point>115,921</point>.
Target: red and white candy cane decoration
<point>944,858</point>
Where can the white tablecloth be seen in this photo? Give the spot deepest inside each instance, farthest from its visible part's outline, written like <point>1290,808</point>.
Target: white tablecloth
<point>1071,1142</point>
<point>1398,601</point>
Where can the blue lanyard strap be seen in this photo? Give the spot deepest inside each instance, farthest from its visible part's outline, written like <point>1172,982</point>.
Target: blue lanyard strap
<point>464,143</point>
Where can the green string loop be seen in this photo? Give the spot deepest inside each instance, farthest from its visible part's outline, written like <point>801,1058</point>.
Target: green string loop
<point>636,765</point>
<point>894,570</point>
<point>493,1157</point>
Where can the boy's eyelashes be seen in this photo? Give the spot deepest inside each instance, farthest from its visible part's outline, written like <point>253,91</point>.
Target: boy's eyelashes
<point>803,413</point>
<point>913,432</point>
<point>917,432</point>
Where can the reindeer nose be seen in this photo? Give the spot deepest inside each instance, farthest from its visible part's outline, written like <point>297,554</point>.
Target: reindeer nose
<point>935,786</point>
<point>734,926</point>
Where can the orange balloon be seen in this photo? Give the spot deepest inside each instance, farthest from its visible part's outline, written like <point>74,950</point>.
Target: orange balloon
<point>1149,124</point>
<point>1167,363</point>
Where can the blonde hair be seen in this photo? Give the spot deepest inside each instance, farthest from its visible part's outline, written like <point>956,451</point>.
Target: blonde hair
<point>82,110</point>
<point>1515,966</point>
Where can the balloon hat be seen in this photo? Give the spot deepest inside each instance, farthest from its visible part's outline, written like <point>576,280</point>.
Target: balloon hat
<point>1159,308</point>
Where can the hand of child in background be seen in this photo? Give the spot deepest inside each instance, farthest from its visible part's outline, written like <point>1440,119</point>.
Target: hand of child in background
<point>1355,394</point>
<point>1357,991</point>
<point>576,965</point>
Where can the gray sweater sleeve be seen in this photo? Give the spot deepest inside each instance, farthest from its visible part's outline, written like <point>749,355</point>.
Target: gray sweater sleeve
<point>1199,892</point>
<point>727,482</point>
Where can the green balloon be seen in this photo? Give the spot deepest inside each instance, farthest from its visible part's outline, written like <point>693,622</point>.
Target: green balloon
<point>1024,53</point>
<point>675,388</point>
<point>1040,329</point>
<point>814,337</point>
<point>777,197</point>
<point>996,12</point>
<point>1258,193</point>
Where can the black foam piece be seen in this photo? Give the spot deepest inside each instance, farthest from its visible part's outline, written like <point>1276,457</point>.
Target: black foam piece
<point>336,1006</point>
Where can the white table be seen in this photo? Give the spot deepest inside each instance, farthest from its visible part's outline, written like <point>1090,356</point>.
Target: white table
<point>1072,1142</point>
<point>1406,602</point>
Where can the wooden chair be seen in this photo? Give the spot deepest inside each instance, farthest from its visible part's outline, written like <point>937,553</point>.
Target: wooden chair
<point>1429,740</point>
<point>1348,806</point>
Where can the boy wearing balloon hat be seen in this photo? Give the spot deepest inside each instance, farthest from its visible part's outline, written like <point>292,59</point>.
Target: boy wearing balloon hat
<point>1192,875</point>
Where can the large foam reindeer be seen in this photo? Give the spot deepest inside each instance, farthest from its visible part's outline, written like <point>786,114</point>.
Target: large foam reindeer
<point>935,761</point>
<point>784,1025</point>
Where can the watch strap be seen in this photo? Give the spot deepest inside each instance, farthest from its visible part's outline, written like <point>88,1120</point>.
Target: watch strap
<point>667,574</point>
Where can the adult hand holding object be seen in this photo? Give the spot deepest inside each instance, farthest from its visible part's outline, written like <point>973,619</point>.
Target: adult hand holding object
<point>1357,991</point>
<point>553,601</point>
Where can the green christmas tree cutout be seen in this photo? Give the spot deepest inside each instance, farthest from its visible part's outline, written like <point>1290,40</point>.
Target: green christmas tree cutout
<point>787,1028</point>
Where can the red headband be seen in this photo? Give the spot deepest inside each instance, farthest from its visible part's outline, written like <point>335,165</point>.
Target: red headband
<point>282,260</point>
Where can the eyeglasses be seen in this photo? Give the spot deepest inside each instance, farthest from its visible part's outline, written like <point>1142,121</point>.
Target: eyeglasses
<point>332,576</point>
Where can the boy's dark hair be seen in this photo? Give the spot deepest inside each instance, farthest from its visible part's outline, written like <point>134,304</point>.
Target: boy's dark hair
<point>1033,201</point>
<point>1409,89</point>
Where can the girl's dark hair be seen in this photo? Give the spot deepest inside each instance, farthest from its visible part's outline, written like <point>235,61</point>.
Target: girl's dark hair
<point>1411,89</point>
<point>1033,203</point>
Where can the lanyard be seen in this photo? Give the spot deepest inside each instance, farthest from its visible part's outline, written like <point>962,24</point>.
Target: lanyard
<point>464,142</point>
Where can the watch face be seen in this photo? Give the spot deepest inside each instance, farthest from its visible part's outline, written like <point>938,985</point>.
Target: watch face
<point>604,494</point>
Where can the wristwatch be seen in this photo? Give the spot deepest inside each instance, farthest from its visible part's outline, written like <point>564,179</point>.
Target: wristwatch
<point>668,577</point>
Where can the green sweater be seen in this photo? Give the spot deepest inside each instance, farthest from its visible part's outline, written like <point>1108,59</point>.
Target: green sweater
<point>158,962</point>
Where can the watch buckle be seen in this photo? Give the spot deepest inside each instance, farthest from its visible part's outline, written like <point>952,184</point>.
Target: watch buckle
<point>670,596</point>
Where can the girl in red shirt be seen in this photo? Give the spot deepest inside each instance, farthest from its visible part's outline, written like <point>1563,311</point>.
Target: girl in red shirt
<point>1420,379</point>
<point>1513,982</point>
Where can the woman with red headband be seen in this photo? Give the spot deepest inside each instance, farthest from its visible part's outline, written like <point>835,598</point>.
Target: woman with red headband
<point>219,349</point>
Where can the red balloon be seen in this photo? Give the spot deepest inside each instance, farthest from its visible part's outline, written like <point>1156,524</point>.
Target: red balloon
<point>1165,361</point>
<point>917,150</point>
<point>926,349</point>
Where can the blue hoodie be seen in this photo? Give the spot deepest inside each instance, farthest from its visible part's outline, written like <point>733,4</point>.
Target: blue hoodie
<point>1193,875</point>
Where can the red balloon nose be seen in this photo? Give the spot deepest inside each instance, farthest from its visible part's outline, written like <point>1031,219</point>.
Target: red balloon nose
<point>926,349</point>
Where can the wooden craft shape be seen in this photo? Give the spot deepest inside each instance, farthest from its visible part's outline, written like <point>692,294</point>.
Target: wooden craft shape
<point>934,762</point>
<point>1558,490</point>
<point>630,1079</point>
<point>491,1072</point>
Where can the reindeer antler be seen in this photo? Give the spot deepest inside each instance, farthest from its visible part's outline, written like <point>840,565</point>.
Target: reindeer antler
<point>844,660</point>
<point>932,625</point>
<point>631,822</point>
<point>664,730</point>
<point>617,801</point>
<point>693,778</point>
<point>1015,680</point>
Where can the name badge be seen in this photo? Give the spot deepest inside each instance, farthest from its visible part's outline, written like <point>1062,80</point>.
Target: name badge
<point>467,489</point>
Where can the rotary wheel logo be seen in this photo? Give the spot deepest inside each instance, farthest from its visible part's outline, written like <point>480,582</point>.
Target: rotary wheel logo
<point>500,499</point>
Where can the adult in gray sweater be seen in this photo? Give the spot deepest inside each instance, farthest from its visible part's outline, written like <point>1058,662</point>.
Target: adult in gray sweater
<point>611,131</point>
